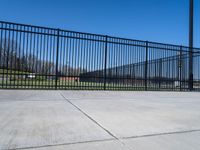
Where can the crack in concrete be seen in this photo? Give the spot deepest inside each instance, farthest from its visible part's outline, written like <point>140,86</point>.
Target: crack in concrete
<point>89,117</point>
<point>62,144</point>
<point>160,134</point>
<point>104,140</point>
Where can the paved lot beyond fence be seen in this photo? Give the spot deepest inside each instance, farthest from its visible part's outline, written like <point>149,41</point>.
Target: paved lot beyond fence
<point>94,120</point>
<point>33,57</point>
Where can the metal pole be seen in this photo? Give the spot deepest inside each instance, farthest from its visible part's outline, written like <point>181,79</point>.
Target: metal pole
<point>105,62</point>
<point>57,53</point>
<point>160,72</point>
<point>191,21</point>
<point>180,68</point>
<point>146,65</point>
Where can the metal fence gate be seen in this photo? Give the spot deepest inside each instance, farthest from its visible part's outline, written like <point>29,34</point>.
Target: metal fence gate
<point>33,57</point>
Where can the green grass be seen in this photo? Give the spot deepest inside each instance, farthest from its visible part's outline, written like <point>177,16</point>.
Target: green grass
<point>40,82</point>
<point>68,84</point>
<point>72,85</point>
<point>7,71</point>
<point>13,74</point>
<point>10,81</point>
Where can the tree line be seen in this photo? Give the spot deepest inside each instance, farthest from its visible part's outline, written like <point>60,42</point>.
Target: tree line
<point>13,58</point>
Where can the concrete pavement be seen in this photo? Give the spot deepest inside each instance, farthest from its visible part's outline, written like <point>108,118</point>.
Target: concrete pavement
<point>47,120</point>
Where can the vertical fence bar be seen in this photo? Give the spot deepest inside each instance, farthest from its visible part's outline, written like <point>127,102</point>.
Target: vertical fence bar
<point>57,53</point>
<point>191,69</point>
<point>105,62</point>
<point>1,55</point>
<point>191,18</point>
<point>180,68</point>
<point>146,65</point>
<point>8,56</point>
<point>160,72</point>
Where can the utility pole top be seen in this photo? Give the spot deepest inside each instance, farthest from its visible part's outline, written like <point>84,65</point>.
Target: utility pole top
<point>191,22</point>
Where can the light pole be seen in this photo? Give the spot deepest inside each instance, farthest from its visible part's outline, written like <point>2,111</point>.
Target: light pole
<point>191,22</point>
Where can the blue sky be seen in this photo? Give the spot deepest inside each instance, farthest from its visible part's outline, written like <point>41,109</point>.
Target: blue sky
<point>154,20</point>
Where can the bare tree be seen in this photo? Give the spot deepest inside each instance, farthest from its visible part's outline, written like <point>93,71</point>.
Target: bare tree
<point>9,54</point>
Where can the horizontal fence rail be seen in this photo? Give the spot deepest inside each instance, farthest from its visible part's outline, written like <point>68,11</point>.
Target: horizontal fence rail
<point>33,57</point>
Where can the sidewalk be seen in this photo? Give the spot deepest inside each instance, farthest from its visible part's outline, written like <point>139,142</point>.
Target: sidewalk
<point>74,120</point>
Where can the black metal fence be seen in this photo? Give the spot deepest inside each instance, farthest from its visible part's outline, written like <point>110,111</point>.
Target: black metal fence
<point>33,57</point>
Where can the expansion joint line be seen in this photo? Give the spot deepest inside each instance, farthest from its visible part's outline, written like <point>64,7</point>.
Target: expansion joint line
<point>98,124</point>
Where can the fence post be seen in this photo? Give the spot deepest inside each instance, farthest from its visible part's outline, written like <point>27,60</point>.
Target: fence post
<point>191,68</point>
<point>180,68</point>
<point>105,63</point>
<point>57,53</point>
<point>160,72</point>
<point>146,65</point>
